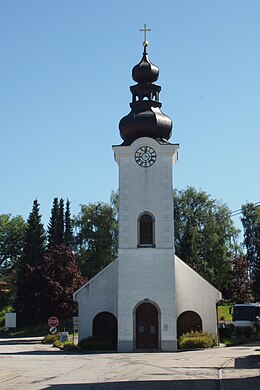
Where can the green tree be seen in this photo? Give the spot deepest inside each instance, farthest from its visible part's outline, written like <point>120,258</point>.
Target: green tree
<point>12,234</point>
<point>251,225</point>
<point>27,283</point>
<point>68,233</point>
<point>114,202</point>
<point>61,221</point>
<point>205,236</point>
<point>96,238</point>
<point>56,224</point>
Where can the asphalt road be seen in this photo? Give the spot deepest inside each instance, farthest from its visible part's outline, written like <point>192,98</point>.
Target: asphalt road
<point>28,365</point>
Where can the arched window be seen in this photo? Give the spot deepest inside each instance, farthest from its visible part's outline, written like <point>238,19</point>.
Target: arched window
<point>188,321</point>
<point>146,230</point>
<point>105,329</point>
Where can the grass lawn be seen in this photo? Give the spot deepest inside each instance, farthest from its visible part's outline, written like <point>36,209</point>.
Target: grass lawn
<point>32,330</point>
<point>223,313</point>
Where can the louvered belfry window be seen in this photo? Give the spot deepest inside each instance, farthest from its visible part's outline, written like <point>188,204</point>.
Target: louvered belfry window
<point>146,230</point>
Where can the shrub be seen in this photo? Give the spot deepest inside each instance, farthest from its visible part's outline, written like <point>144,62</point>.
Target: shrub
<point>50,338</point>
<point>90,344</point>
<point>226,331</point>
<point>57,344</point>
<point>243,331</point>
<point>196,340</point>
<point>69,346</point>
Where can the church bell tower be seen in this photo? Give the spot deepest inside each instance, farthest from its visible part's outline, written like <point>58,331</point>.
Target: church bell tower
<point>146,275</point>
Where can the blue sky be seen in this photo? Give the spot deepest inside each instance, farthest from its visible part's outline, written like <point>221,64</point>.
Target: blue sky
<point>65,73</point>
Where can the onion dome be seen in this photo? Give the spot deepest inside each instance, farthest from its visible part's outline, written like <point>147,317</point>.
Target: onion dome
<point>145,71</point>
<point>145,118</point>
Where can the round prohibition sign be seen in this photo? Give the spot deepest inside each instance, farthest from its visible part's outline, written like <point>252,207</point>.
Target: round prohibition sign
<point>53,330</point>
<point>53,321</point>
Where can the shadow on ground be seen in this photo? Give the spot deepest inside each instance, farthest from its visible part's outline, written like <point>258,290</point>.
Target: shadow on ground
<point>247,362</point>
<point>19,342</point>
<point>252,383</point>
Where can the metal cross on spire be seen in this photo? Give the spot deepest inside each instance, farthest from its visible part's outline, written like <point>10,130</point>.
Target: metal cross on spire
<point>145,30</point>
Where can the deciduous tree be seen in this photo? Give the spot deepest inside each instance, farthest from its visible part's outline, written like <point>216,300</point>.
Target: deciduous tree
<point>95,237</point>
<point>59,278</point>
<point>205,236</point>
<point>240,283</point>
<point>12,235</point>
<point>251,224</point>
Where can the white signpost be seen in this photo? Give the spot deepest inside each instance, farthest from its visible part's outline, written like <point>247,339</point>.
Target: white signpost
<point>75,326</point>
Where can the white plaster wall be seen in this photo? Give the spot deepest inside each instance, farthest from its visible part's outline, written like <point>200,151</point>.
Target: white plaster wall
<point>99,294</point>
<point>145,189</point>
<point>146,274</point>
<point>196,294</point>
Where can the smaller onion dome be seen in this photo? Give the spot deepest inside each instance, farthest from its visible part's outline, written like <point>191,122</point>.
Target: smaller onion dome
<point>145,71</point>
<point>145,118</point>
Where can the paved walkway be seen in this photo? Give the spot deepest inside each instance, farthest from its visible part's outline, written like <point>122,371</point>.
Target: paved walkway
<point>30,366</point>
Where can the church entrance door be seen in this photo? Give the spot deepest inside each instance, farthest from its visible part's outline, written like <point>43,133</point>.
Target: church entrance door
<point>146,326</point>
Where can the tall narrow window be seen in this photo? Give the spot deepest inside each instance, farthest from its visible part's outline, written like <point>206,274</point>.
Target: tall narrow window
<point>146,230</point>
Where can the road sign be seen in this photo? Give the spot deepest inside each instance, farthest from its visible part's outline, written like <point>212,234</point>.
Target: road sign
<point>76,321</point>
<point>53,321</point>
<point>64,336</point>
<point>53,330</point>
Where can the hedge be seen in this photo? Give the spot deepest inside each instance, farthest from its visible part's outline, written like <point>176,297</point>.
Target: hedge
<point>196,340</point>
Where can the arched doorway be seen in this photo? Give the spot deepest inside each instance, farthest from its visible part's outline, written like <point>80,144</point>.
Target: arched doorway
<point>188,321</point>
<point>146,326</point>
<point>105,328</point>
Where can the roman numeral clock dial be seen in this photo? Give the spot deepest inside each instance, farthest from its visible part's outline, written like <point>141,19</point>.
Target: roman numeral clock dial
<point>145,156</point>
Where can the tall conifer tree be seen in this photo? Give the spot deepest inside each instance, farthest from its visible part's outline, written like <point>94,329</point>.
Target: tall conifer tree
<point>60,232</point>
<point>53,224</point>
<point>27,292</point>
<point>56,224</point>
<point>68,233</point>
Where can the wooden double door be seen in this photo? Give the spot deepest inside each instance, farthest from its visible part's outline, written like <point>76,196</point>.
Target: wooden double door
<point>147,327</point>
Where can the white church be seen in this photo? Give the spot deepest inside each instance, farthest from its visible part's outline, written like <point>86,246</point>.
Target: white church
<point>147,297</point>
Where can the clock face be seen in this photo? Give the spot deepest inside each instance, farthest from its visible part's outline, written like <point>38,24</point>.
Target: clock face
<point>145,156</point>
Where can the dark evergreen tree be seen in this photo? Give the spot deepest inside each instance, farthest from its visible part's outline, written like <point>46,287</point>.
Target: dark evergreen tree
<point>68,234</point>
<point>27,291</point>
<point>56,224</point>
<point>251,224</point>
<point>60,231</point>
<point>53,224</point>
